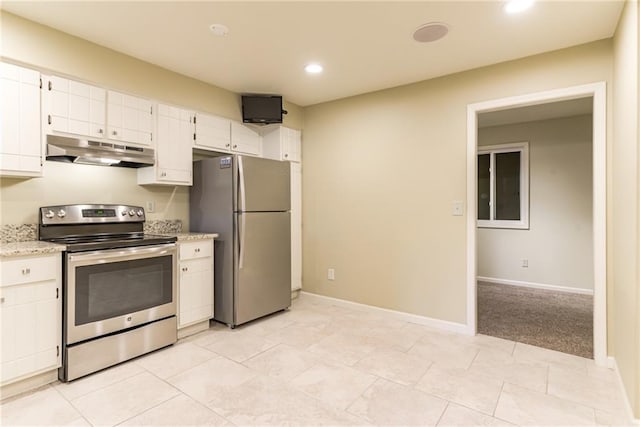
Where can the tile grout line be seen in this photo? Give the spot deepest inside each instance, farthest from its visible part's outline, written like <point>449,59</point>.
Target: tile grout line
<point>73,406</point>
<point>443,412</point>
<point>495,408</point>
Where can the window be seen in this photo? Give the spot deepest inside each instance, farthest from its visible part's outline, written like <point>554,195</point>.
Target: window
<point>503,186</point>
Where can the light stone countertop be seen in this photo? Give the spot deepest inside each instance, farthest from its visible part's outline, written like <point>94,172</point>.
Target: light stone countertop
<point>192,236</point>
<point>38,247</point>
<point>32,247</point>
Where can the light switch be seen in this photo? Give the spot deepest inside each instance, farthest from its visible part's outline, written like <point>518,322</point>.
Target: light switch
<point>458,209</point>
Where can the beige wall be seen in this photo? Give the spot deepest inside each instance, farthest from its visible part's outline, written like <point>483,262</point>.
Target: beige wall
<point>624,231</point>
<point>49,50</point>
<point>559,242</point>
<point>381,171</point>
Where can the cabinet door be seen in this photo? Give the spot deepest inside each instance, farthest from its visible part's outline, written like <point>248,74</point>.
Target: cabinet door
<point>129,119</point>
<point>75,107</point>
<point>20,143</point>
<point>212,132</point>
<point>30,315</point>
<point>30,339</point>
<point>294,142</point>
<point>195,300</point>
<point>245,140</point>
<point>174,156</point>
<point>296,226</point>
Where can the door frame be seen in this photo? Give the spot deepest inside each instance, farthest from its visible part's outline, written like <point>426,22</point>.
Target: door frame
<point>598,92</point>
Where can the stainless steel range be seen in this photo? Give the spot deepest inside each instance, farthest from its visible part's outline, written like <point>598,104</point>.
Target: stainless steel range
<point>119,285</point>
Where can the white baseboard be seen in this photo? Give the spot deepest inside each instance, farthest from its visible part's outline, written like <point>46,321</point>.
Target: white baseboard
<point>614,365</point>
<point>557,288</point>
<point>446,325</point>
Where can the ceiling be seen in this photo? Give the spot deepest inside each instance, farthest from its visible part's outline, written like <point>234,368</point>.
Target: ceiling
<point>363,46</point>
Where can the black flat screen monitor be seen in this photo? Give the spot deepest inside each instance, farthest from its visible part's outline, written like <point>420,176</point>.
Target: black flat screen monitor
<point>262,109</point>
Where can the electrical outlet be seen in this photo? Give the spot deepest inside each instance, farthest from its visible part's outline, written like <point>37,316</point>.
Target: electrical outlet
<point>151,206</point>
<point>331,274</point>
<point>525,263</point>
<point>457,208</point>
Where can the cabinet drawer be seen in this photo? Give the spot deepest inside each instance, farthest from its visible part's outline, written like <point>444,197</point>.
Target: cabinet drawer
<point>199,249</point>
<point>29,270</point>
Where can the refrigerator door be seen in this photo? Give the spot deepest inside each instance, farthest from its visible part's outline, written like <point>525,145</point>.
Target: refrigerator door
<point>263,185</point>
<point>263,267</point>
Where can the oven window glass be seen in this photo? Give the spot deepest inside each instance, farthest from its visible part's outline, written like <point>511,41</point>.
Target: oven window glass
<point>114,289</point>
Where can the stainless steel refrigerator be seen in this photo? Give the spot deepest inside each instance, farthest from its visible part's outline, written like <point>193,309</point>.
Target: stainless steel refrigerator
<point>247,201</point>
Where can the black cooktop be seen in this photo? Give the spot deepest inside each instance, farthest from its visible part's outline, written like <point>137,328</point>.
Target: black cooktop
<point>95,243</point>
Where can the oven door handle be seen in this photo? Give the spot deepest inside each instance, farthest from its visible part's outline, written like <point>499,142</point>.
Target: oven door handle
<point>114,255</point>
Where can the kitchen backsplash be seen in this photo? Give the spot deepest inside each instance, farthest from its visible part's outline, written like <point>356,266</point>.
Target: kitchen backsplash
<point>12,233</point>
<point>18,233</point>
<point>163,226</point>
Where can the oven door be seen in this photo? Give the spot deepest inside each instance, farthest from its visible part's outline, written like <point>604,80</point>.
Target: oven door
<point>116,289</point>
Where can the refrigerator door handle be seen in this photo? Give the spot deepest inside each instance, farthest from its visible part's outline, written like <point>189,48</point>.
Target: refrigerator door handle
<point>241,232</point>
<point>241,196</point>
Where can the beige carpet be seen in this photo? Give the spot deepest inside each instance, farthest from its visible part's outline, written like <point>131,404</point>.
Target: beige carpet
<point>556,320</point>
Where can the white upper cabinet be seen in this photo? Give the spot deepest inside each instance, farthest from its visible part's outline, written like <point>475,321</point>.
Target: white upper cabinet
<point>84,110</point>
<point>282,143</point>
<point>245,140</point>
<point>212,133</point>
<point>20,135</point>
<point>173,149</point>
<point>75,108</point>
<point>129,118</point>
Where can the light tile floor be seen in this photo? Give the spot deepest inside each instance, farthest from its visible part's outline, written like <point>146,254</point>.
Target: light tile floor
<point>321,364</point>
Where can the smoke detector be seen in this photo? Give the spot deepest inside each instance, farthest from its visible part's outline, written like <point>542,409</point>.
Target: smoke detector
<point>430,32</point>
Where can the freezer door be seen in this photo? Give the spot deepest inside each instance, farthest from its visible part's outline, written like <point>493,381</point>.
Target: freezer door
<point>263,266</point>
<point>263,185</point>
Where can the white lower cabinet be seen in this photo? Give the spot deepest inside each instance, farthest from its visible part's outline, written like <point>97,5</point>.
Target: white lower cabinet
<point>195,285</point>
<point>30,311</point>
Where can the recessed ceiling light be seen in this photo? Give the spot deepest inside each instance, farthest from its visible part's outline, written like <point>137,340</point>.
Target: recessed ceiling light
<point>219,29</point>
<point>517,6</point>
<point>313,68</point>
<point>430,32</point>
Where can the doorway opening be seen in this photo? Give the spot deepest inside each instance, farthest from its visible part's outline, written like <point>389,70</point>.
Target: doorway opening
<point>508,218</point>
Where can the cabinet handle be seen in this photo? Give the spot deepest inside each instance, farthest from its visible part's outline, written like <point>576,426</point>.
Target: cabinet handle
<point>114,133</point>
<point>185,269</point>
<point>163,174</point>
<point>100,131</point>
<point>49,119</point>
<point>197,250</point>
<point>26,271</point>
<point>50,85</point>
<point>1,300</point>
<point>286,155</point>
<point>235,145</point>
<point>226,145</point>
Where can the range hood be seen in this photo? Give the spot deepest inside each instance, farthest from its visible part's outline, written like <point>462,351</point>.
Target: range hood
<point>76,150</point>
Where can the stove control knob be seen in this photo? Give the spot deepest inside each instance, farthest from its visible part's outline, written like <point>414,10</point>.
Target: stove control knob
<point>140,212</point>
<point>49,214</point>
<point>132,212</point>
<point>123,213</point>
<point>61,213</point>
